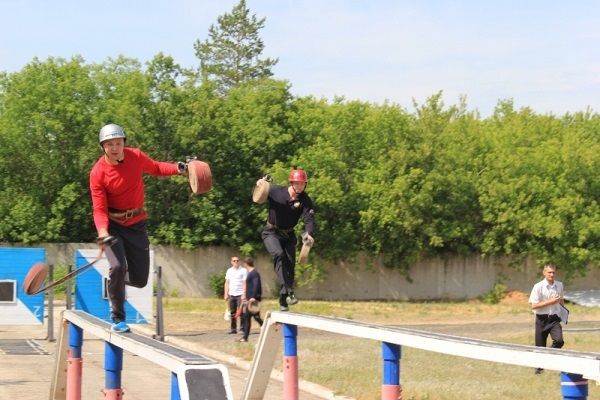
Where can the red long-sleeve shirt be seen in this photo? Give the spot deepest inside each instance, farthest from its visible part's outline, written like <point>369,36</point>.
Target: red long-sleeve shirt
<point>121,186</point>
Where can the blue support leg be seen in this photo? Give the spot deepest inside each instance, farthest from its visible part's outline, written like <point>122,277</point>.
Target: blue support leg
<point>391,388</point>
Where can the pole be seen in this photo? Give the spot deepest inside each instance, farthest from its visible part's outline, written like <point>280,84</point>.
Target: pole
<point>391,389</point>
<point>290,362</point>
<point>113,365</point>
<point>74,363</point>
<point>51,306</point>
<point>160,332</point>
<point>175,394</point>
<point>68,291</point>
<point>573,386</point>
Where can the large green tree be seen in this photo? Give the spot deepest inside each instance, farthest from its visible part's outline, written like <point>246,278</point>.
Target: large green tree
<point>46,114</point>
<point>232,52</point>
<point>438,181</point>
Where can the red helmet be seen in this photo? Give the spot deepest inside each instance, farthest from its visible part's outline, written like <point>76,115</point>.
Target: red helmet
<point>298,175</point>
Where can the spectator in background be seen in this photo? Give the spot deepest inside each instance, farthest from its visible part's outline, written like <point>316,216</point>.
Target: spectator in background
<point>545,299</point>
<point>251,297</point>
<point>234,288</point>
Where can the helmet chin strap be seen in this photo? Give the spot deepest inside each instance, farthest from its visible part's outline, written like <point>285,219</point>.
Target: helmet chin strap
<point>294,189</point>
<point>106,155</point>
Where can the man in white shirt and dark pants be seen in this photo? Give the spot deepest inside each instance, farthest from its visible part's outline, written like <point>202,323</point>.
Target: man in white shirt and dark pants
<point>234,288</point>
<point>545,299</point>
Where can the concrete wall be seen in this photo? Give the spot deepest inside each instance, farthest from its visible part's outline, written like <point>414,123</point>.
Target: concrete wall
<point>186,273</point>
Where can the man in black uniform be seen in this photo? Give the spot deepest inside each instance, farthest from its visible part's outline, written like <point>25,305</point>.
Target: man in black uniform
<point>286,206</point>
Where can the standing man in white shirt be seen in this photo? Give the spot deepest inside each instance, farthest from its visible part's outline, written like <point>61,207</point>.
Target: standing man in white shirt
<point>545,299</point>
<point>234,288</point>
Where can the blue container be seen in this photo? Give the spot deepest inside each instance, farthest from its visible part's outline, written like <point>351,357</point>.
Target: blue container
<point>573,386</point>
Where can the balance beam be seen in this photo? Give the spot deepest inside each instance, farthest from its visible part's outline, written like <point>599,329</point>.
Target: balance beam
<point>586,364</point>
<point>197,374</point>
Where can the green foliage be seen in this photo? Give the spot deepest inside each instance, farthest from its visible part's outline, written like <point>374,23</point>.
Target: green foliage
<point>59,272</point>
<point>231,54</point>
<point>217,283</point>
<point>494,296</point>
<point>309,274</point>
<point>437,181</point>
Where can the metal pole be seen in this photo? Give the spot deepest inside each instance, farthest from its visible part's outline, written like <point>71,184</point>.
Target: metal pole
<point>68,291</point>
<point>573,386</point>
<point>290,362</point>
<point>160,332</point>
<point>113,365</point>
<point>74,363</point>
<point>51,306</point>
<point>391,388</point>
<point>175,394</point>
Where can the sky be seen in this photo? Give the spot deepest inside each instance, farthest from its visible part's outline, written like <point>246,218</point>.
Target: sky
<point>541,54</point>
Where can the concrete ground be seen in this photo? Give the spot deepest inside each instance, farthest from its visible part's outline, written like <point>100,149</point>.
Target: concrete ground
<point>27,364</point>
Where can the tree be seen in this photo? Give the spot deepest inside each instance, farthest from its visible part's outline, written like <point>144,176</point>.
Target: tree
<point>46,112</point>
<point>231,54</point>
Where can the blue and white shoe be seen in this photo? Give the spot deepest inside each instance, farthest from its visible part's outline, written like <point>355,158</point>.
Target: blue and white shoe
<point>120,327</point>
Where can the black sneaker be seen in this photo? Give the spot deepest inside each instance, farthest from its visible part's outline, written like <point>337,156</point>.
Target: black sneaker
<point>232,332</point>
<point>291,299</point>
<point>538,371</point>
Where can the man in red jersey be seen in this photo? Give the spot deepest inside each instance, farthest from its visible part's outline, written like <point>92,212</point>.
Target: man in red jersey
<point>117,190</point>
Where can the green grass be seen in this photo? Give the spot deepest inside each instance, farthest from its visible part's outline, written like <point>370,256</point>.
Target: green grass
<point>353,367</point>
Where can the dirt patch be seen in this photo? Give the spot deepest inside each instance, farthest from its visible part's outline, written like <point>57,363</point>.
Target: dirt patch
<point>515,297</point>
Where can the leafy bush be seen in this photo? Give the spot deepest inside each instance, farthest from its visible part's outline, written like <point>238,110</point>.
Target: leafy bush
<point>59,272</point>
<point>217,283</point>
<point>495,295</point>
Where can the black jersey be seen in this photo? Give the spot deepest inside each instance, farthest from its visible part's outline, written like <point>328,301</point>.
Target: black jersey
<point>285,212</point>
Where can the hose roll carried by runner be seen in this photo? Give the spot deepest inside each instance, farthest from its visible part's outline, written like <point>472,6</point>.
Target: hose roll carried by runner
<point>199,175</point>
<point>261,191</point>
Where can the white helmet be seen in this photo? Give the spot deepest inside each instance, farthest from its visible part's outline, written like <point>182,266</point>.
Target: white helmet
<point>111,131</point>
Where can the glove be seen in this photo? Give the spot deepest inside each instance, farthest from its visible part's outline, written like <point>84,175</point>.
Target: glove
<point>105,240</point>
<point>183,165</point>
<point>307,239</point>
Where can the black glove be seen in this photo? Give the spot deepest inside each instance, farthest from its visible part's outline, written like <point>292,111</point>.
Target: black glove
<point>183,165</point>
<point>105,240</point>
<point>306,238</point>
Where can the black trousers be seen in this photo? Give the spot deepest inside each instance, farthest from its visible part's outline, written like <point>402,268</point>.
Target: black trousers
<point>247,321</point>
<point>234,303</point>
<point>129,260</point>
<point>548,325</point>
<point>282,248</point>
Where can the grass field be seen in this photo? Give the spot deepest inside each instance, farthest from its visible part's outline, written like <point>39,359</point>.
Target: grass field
<point>353,367</point>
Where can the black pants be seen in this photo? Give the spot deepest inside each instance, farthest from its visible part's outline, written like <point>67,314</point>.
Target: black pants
<point>247,321</point>
<point>234,303</point>
<point>548,325</point>
<point>129,260</point>
<point>282,247</point>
